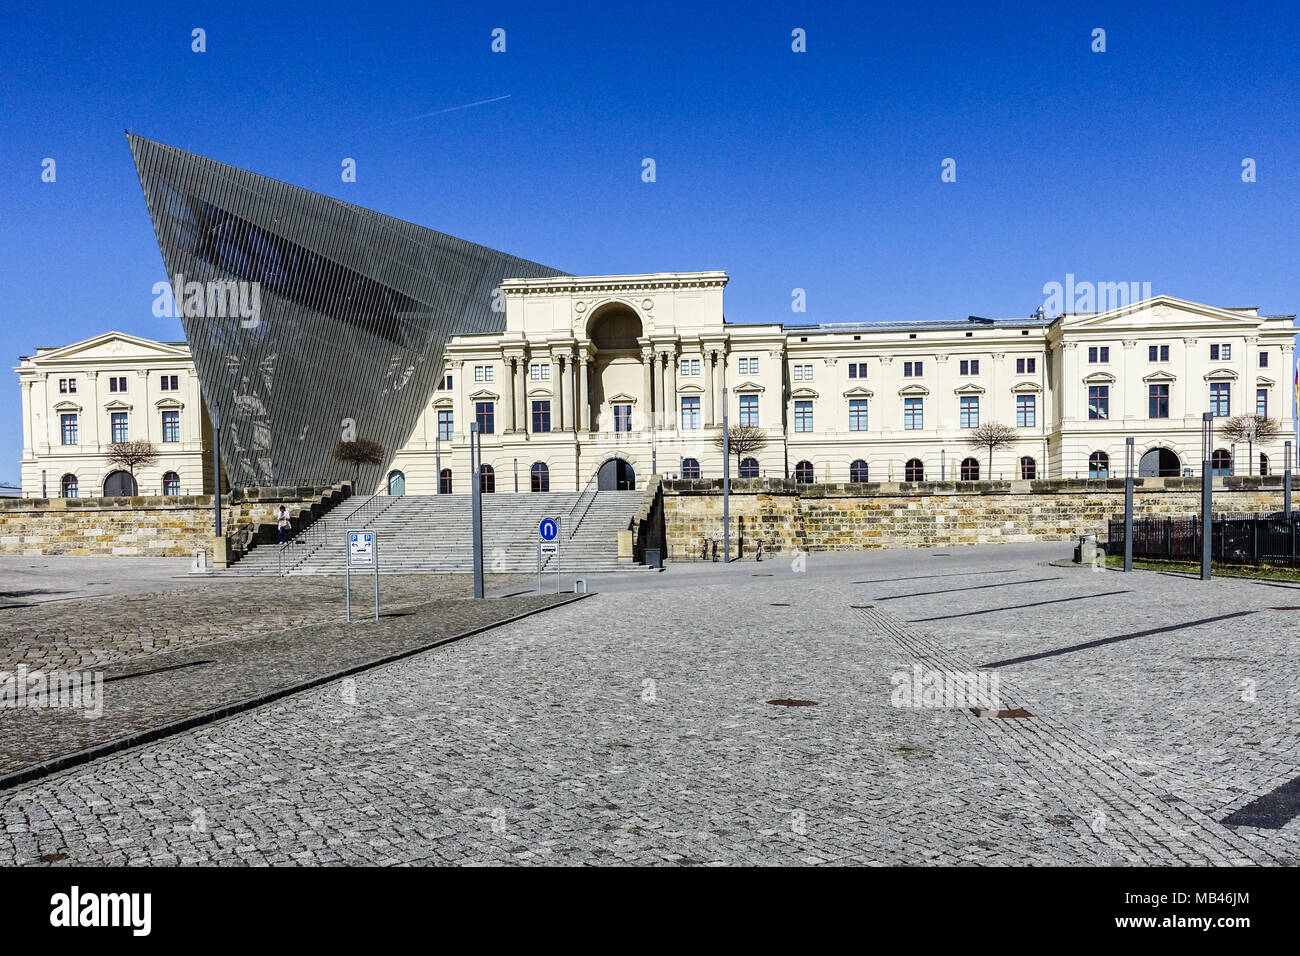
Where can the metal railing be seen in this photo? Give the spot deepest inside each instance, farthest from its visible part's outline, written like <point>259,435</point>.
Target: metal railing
<point>581,507</point>
<point>300,549</point>
<point>1253,540</point>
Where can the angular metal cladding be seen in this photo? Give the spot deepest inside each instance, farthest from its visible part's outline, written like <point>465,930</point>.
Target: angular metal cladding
<point>311,317</point>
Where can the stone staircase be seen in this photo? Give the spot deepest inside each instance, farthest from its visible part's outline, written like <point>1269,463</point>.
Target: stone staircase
<point>433,534</point>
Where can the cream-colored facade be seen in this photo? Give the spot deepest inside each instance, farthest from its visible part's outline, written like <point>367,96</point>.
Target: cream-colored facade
<point>614,378</point>
<point>77,398</point>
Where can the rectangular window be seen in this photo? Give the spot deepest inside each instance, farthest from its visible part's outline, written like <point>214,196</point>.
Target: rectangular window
<point>1261,402</point>
<point>970,411</point>
<point>802,373</point>
<point>171,425</point>
<point>913,414</point>
<point>749,366</point>
<point>1026,366</point>
<point>68,429</point>
<point>1157,353</point>
<point>446,424</point>
<point>970,366</point>
<point>691,366</point>
<point>691,412</point>
<point>112,384</point>
<point>1157,401</point>
<point>803,421</point>
<point>117,424</point>
<point>485,415</point>
<point>749,411</point>
<point>483,373</point>
<point>622,418</point>
<point>445,384</point>
<point>1220,352</point>
<point>170,383</point>
<point>912,369</point>
<point>541,416</point>
<point>540,372</point>
<point>1098,353</point>
<point>1098,401</point>
<point>1026,411</point>
<point>857,370</point>
<point>1263,360</point>
<point>857,414</point>
<point>1220,402</point>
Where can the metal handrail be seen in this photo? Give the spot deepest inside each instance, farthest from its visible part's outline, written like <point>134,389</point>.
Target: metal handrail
<point>592,486</point>
<point>356,516</point>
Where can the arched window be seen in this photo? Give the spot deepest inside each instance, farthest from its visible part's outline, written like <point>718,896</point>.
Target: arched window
<point>914,470</point>
<point>1099,465</point>
<point>444,481</point>
<point>541,476</point>
<point>1263,465</point>
<point>690,468</point>
<point>803,472</point>
<point>487,479</point>
<point>171,483</point>
<point>68,486</point>
<point>396,483</point>
<point>1221,463</point>
<point>1028,469</point>
<point>749,468</point>
<point>858,471</point>
<point>970,469</point>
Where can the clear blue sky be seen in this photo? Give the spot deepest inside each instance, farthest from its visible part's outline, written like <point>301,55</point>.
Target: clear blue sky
<point>818,170</point>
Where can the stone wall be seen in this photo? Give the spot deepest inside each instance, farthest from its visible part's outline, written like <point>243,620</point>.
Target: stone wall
<point>151,525</point>
<point>785,515</point>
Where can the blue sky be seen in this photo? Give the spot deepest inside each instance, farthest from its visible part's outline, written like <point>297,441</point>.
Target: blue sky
<point>817,170</point>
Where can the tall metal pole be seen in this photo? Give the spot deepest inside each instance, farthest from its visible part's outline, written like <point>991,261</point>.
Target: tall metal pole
<point>943,464</point>
<point>476,504</point>
<point>1207,493</point>
<point>516,476</point>
<point>1128,504</point>
<point>726,483</point>
<point>1286,485</point>
<point>216,468</point>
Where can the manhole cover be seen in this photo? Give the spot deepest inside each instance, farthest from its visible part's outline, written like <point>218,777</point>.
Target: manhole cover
<point>1013,714</point>
<point>791,702</point>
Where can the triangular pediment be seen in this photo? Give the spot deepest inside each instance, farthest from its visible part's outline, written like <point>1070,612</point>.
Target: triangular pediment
<point>111,346</point>
<point>483,395</point>
<point>1027,386</point>
<point>749,387</point>
<point>1161,311</point>
<point>859,392</point>
<point>913,390</point>
<point>117,405</point>
<point>968,389</point>
<point>1099,378</point>
<point>1220,373</point>
<point>1160,376</point>
<point>622,398</point>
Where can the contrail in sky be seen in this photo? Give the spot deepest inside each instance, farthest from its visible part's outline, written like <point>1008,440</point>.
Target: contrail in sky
<point>450,109</point>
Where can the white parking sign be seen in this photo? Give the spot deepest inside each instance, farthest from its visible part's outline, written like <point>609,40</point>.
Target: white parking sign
<point>361,549</point>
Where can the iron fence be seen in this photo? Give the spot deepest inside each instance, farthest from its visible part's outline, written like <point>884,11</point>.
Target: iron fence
<point>1234,540</point>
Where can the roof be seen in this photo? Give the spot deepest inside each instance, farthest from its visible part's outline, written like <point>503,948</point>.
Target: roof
<point>920,325</point>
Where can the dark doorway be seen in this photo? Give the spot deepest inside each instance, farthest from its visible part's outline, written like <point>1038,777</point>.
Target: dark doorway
<point>119,484</point>
<point>616,475</point>
<point>1159,463</point>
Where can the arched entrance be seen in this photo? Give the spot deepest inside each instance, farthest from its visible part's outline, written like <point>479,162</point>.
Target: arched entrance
<point>616,475</point>
<point>1159,463</point>
<point>119,484</point>
<point>396,483</point>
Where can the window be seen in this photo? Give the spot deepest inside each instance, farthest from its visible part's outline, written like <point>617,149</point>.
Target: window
<point>749,468</point>
<point>1098,401</point>
<point>749,410</point>
<point>857,414</point>
<point>970,366</point>
<point>1099,465</point>
<point>857,370</point>
<point>1028,469</point>
<point>748,366</point>
<point>485,415</point>
<point>1220,463</point>
<point>1026,410</point>
<point>1098,353</point>
<point>691,366</point>
<point>1158,401</point>
<point>912,369</point>
<point>540,372</point>
<point>68,486</point>
<point>487,479</point>
<point>858,471</point>
<point>118,427</point>
<point>1263,465</point>
<point>445,384</point>
<point>483,373</point>
<point>446,424</point>
<point>1157,353</point>
<point>115,384</point>
<point>170,383</point>
<point>970,411</point>
<point>691,412</point>
<point>803,472</point>
<point>1263,360</point>
<point>913,414</point>
<point>803,421</point>
<point>68,429</point>
<point>1220,353</point>
<point>622,418</point>
<point>171,425</point>
<point>541,417</point>
<point>1026,366</point>
<point>539,477</point>
<point>444,481</point>
<point>1261,402</point>
<point>802,373</point>
<point>914,470</point>
<point>690,468</point>
<point>1220,403</point>
<point>68,386</point>
<point>970,469</point>
<point>171,483</point>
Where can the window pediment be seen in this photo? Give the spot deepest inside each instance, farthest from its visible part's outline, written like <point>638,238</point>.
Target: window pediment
<point>539,392</point>
<point>690,388</point>
<point>483,395</point>
<point>804,392</point>
<point>911,390</point>
<point>1023,387</point>
<point>969,389</point>
<point>748,387</point>
<point>443,401</point>
<point>170,403</point>
<point>1263,382</point>
<point>66,406</point>
<point>117,405</point>
<point>1161,376</point>
<point>1220,373</point>
<point>1099,378</point>
<point>859,392</point>
<point>622,398</point>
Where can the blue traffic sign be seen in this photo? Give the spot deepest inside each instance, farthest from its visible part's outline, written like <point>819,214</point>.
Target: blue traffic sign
<point>548,529</point>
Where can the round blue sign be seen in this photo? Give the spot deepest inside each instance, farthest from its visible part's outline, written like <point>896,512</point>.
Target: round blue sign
<point>548,529</point>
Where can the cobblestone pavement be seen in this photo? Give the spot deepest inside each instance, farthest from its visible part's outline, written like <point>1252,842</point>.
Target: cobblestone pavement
<point>636,727</point>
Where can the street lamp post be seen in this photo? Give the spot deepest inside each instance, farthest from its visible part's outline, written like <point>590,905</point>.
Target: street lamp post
<point>1207,492</point>
<point>476,505</point>
<point>726,483</point>
<point>216,468</point>
<point>1128,504</point>
<point>1286,484</point>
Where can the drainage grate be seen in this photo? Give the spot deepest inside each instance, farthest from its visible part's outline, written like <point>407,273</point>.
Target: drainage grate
<point>1014,714</point>
<point>791,702</point>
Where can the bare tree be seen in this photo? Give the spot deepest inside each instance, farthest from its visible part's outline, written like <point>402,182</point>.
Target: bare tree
<point>360,451</point>
<point>992,436</point>
<point>1250,429</point>
<point>744,440</point>
<point>132,454</point>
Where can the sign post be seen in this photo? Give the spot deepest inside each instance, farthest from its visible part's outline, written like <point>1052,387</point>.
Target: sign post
<point>361,552</point>
<point>1128,504</point>
<point>548,543</point>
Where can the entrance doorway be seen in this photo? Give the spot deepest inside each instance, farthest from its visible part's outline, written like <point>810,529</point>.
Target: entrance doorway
<point>1159,463</point>
<point>119,484</point>
<point>616,475</point>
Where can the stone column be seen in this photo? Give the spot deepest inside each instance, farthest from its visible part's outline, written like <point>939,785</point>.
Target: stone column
<point>709,357</point>
<point>660,390</point>
<point>524,424</point>
<point>670,397</point>
<point>514,405</point>
<point>558,362</point>
<point>647,395</point>
<point>583,418</point>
